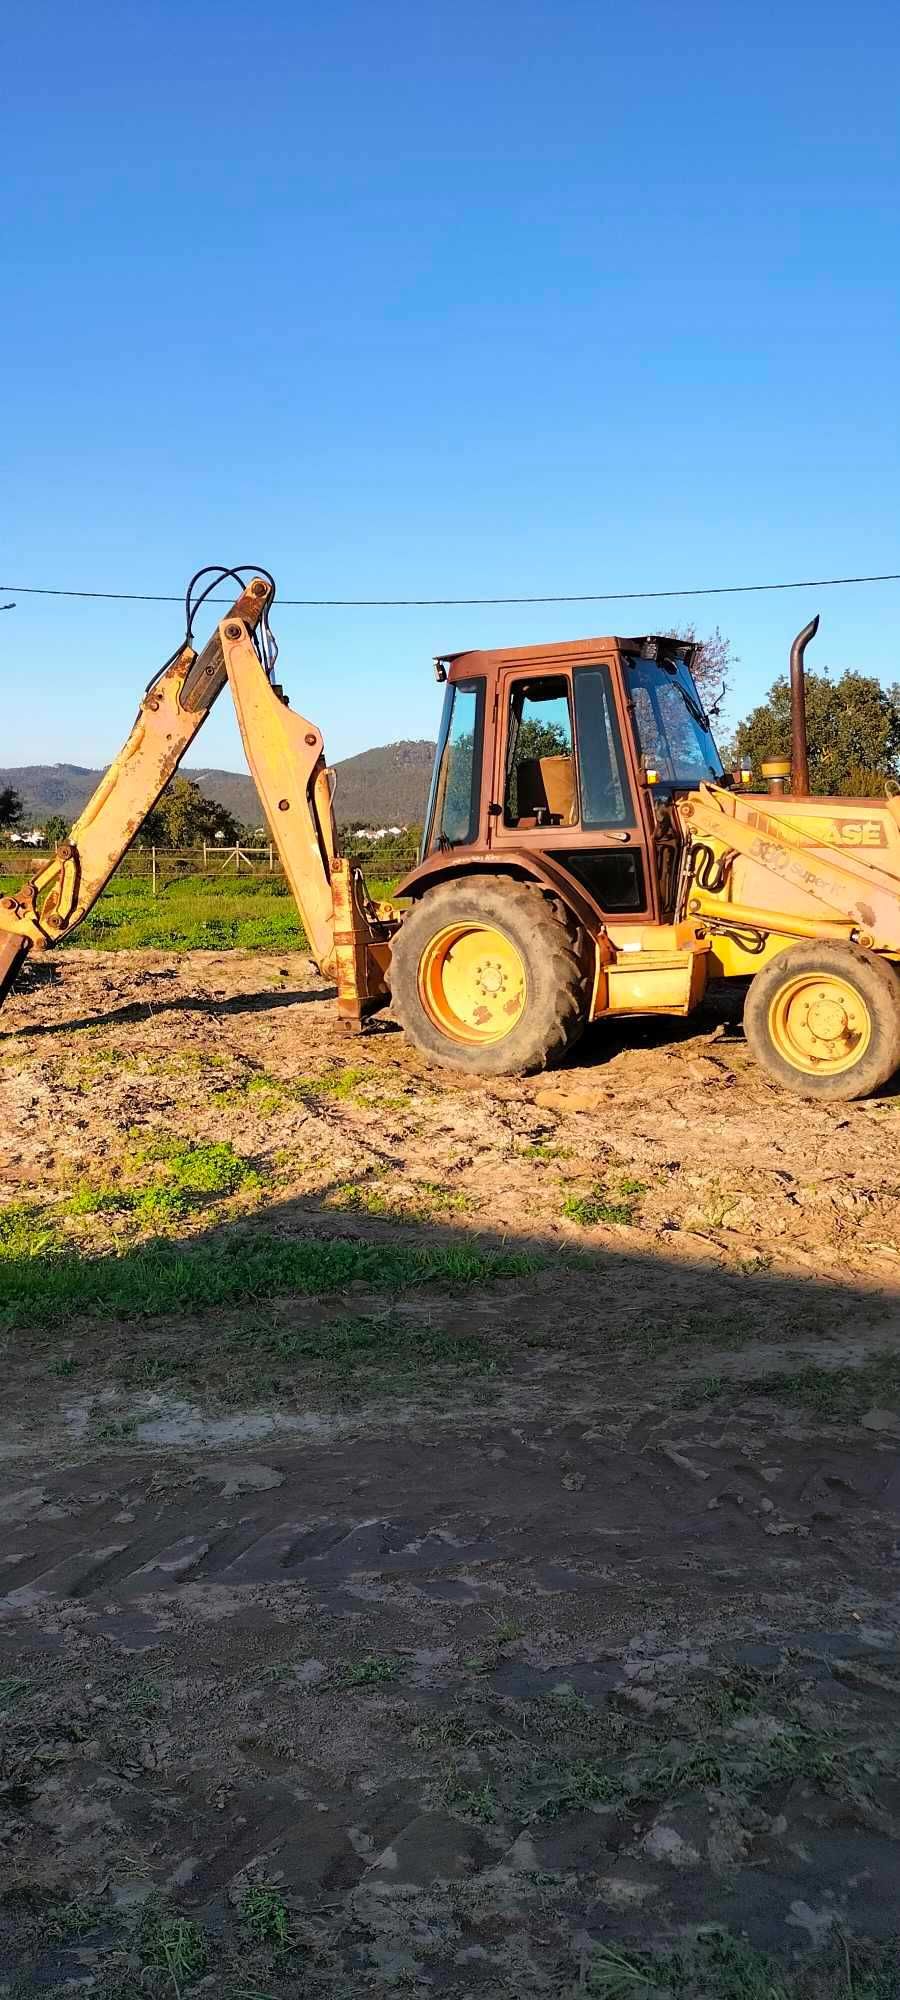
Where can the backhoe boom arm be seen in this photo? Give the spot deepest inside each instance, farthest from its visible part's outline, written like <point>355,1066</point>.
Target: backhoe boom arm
<point>350,939</point>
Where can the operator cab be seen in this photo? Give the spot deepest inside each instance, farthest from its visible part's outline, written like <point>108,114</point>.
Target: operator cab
<point>573,751</point>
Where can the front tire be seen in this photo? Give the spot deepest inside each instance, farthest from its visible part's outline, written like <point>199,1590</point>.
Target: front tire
<point>824,1019</point>
<point>487,976</point>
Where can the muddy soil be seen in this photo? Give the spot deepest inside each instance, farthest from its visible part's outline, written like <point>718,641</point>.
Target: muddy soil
<point>464,1675</point>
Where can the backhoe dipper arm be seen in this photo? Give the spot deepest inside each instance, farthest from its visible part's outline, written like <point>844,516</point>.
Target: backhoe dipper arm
<point>286,758</point>
<point>175,706</point>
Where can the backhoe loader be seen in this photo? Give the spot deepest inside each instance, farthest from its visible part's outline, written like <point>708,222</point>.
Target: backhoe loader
<point>584,854</point>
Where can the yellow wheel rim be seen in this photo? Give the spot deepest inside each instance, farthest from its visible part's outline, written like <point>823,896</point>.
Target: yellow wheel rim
<point>820,1024</point>
<point>472,983</point>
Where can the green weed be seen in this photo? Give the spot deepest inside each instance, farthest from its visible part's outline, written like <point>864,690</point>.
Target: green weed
<point>173,1945</point>
<point>213,1168</point>
<point>372,1671</point>
<point>477,1802</point>
<point>72,1920</point>
<point>264,1914</point>
<point>589,1209</point>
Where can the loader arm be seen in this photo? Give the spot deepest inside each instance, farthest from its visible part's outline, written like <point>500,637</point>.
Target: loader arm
<point>844,894</point>
<point>63,891</point>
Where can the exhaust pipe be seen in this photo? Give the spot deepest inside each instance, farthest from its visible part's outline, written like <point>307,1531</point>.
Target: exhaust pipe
<point>799,747</point>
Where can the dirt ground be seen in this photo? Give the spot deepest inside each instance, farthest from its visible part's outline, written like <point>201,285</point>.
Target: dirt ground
<point>520,1622</point>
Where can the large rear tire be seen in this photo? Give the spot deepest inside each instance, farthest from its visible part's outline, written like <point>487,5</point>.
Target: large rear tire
<point>488,976</point>
<point>824,1019</point>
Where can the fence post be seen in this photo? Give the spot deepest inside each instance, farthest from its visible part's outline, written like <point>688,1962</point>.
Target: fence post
<point>204,857</point>
<point>271,858</point>
<point>153,867</point>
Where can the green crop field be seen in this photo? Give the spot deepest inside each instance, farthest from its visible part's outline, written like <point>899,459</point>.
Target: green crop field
<point>195,913</point>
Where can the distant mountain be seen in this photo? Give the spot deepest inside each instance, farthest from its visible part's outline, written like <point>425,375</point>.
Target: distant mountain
<point>387,787</point>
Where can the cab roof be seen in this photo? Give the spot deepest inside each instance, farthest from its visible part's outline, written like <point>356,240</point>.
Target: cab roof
<point>490,661</point>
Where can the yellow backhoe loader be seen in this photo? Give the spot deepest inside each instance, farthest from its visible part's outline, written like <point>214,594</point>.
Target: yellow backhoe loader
<point>584,854</point>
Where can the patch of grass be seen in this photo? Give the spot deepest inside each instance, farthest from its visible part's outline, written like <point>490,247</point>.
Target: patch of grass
<point>835,1394</point>
<point>72,1920</point>
<point>26,1230</point>
<point>717,1965</point>
<point>264,1914</point>
<point>213,1168</point>
<point>114,1430</point>
<point>589,1209</point>
<point>143,1695</point>
<point>160,1277</point>
<point>362,1197</point>
<point>722,1761</point>
<point>174,1945</point>
<point>191,1175</point>
<point>12,1690</point>
<point>443,1200</point>
<point>720,1964</point>
<point>478,1802</point>
<point>197,912</point>
<point>543,1151</point>
<point>372,1671</point>
<point>100,1201</point>
<point>394,1347</point>
<point>62,1364</point>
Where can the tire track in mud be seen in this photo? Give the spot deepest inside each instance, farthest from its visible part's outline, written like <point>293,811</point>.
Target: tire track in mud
<point>499,1505</point>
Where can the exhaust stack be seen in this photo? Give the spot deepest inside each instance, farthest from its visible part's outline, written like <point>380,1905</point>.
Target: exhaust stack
<point>799,747</point>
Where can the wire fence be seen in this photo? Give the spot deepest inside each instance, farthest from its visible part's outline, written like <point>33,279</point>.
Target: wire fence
<point>159,867</point>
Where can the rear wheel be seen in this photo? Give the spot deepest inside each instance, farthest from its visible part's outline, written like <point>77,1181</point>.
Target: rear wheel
<point>824,1019</point>
<point>488,976</point>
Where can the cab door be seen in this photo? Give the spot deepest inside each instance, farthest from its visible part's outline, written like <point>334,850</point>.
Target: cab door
<point>563,783</point>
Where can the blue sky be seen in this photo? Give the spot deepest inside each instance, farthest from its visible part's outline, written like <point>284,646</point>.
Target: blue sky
<point>441,300</point>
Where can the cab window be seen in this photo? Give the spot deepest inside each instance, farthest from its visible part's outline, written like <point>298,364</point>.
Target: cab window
<point>605,793</point>
<point>539,785</point>
<point>453,808</point>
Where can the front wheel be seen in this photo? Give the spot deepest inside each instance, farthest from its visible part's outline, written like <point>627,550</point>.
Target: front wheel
<point>486,975</point>
<point>824,1019</point>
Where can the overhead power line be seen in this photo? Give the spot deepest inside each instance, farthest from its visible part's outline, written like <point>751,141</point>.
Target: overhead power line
<point>418,603</point>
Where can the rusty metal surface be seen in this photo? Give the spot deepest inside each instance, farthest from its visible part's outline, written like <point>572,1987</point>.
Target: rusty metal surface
<point>362,948</point>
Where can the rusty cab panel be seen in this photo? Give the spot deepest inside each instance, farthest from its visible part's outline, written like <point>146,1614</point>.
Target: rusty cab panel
<point>538,772</point>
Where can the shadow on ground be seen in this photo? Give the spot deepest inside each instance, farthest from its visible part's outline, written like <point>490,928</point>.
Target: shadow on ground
<point>388,1604</point>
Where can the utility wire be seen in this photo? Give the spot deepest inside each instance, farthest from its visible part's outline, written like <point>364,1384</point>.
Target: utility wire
<point>401,603</point>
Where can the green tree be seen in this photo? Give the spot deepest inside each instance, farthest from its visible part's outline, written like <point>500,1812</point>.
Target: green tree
<point>713,664</point>
<point>11,808</point>
<point>853,727</point>
<point>184,818</point>
<point>55,829</point>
